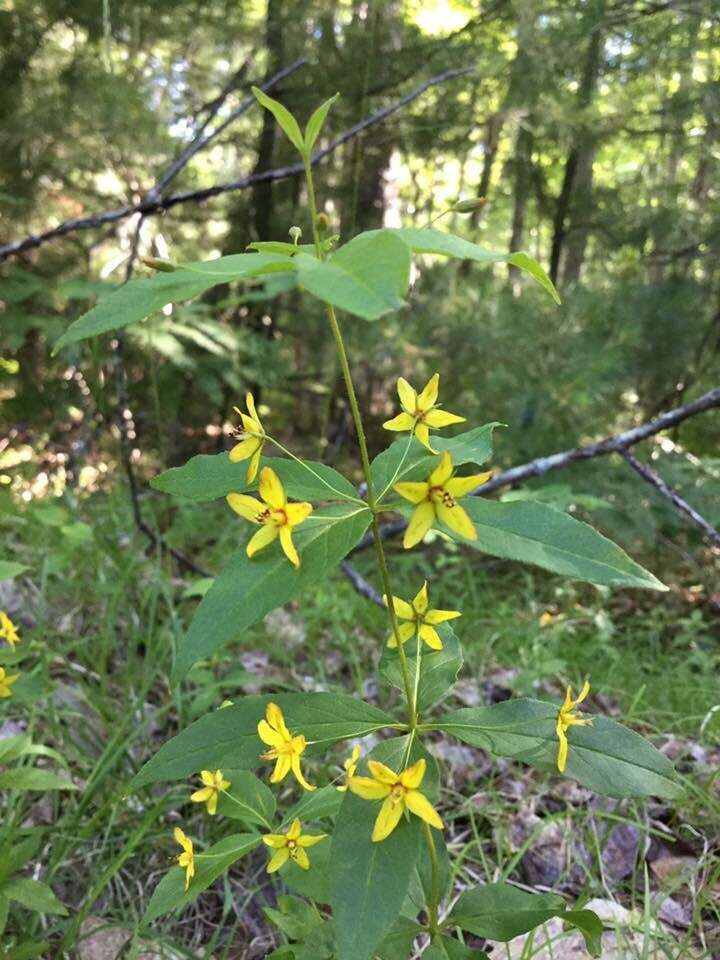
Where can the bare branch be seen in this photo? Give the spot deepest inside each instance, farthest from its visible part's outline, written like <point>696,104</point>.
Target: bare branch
<point>149,207</point>
<point>648,474</point>
<point>364,588</point>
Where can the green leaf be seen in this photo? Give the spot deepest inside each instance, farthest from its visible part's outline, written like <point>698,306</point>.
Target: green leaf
<point>536,533</point>
<point>312,883</point>
<point>211,476</point>
<point>319,805</point>
<point>429,240</point>
<point>12,858</point>
<point>294,917</point>
<point>247,589</point>
<point>13,747</point>
<point>589,925</point>
<point>438,668</point>
<point>367,277</point>
<point>247,798</point>
<point>33,895</point>
<point>500,911</point>
<point>316,121</point>
<point>9,569</point>
<point>228,737</point>
<point>286,120</point>
<point>409,460</point>
<point>447,948</point>
<point>27,951</point>
<point>29,778</point>
<point>136,300</point>
<point>369,881</point>
<point>170,893</point>
<point>607,758</point>
<point>397,945</point>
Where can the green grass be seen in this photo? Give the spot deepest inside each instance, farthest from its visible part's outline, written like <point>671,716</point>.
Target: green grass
<point>107,615</point>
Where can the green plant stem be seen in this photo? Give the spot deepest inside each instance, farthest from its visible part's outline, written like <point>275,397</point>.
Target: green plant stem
<point>433,922</point>
<point>365,459</point>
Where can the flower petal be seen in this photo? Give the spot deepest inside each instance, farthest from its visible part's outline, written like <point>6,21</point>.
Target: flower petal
<point>275,840</point>
<point>297,512</point>
<point>462,486</point>
<point>408,397</point>
<point>200,796</point>
<point>430,636</point>
<point>423,435</point>
<point>457,519</point>
<point>403,421</point>
<point>271,490</point>
<point>301,858</point>
<point>387,820</point>
<point>367,788</point>
<point>295,829</point>
<point>442,472</point>
<point>442,418</point>
<point>423,517</point>
<point>250,404</point>
<point>420,600</point>
<point>381,773</point>
<point>414,492</point>
<point>212,803</point>
<point>278,859</point>
<point>254,464</point>
<point>428,395</point>
<point>562,750</point>
<point>295,764</point>
<point>246,448</point>
<point>413,776</point>
<point>248,507</point>
<point>282,768</point>
<point>419,804</point>
<point>286,542</point>
<point>401,607</point>
<point>435,617</point>
<point>265,536</point>
<point>309,840</point>
<point>276,719</point>
<point>405,632</point>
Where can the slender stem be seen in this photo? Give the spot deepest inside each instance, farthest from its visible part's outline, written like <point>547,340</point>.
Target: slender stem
<point>365,460</point>
<point>306,466</point>
<point>433,923</point>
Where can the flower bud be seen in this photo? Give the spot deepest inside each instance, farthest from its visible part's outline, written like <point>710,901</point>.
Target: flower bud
<point>323,223</point>
<point>295,234</point>
<point>155,264</point>
<point>467,206</point>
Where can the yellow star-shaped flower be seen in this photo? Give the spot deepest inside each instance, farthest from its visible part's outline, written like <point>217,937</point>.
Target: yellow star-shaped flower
<point>253,438</point>
<point>8,630</point>
<point>276,518</point>
<point>286,749</point>
<point>437,499</point>
<point>213,785</point>
<point>6,682</point>
<point>399,792</point>
<point>187,857</point>
<point>566,719</point>
<point>291,846</point>
<point>421,411</point>
<point>421,621</point>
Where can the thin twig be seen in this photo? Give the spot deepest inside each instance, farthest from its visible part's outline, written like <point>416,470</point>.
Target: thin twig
<point>364,588</point>
<point>150,208</point>
<point>648,474</point>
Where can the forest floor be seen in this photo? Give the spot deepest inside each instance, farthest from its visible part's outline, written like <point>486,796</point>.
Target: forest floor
<point>100,616</point>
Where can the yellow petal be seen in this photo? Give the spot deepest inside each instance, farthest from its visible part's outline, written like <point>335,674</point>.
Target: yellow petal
<point>275,840</point>
<point>429,393</point>
<point>419,804</point>
<point>462,486</point>
<point>271,490</point>
<point>212,803</point>
<point>408,397</point>
<point>381,773</point>
<point>420,600</point>
<point>562,751</point>
<point>423,435</point>
<point>430,636</point>
<point>181,838</point>
<point>403,421</point>
<point>442,418</point>
<point>248,507</point>
<point>250,424</point>
<point>295,829</point>
<point>435,617</point>
<point>282,768</point>
<point>583,693</point>
<point>200,796</point>
<point>296,769</point>
<point>297,512</point>
<point>278,859</point>
<point>265,536</point>
<point>423,517</point>
<point>246,448</point>
<point>254,464</point>
<point>286,542</point>
<point>276,719</point>
<point>250,404</point>
<point>442,472</point>
<point>457,519</point>
<point>207,778</point>
<point>269,736</point>
<point>367,788</point>
<point>401,607</point>
<point>301,858</point>
<point>387,820</point>
<point>413,776</point>
<point>405,632</point>
<point>414,492</point>
<point>308,840</point>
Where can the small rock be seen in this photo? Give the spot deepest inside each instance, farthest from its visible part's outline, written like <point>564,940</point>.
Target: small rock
<point>621,850</point>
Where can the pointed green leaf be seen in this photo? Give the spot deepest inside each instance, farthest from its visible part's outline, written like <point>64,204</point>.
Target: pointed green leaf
<point>500,911</point>
<point>397,945</point>
<point>29,778</point>
<point>525,262</point>
<point>248,588</point>
<point>136,300</point>
<point>367,277</point>
<point>438,668</point>
<point>211,476</point>
<point>287,121</point>
<point>589,925</point>
<point>319,805</point>
<point>447,948</point>
<point>9,569</point>
<point>15,746</point>
<point>33,895</point>
<point>228,737</point>
<point>170,893</point>
<point>606,757</point>
<point>316,121</point>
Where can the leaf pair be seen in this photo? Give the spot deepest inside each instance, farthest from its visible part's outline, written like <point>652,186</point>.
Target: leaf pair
<point>288,123</point>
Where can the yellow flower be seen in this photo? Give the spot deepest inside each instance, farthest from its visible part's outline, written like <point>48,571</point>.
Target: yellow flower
<point>421,411</point>
<point>291,846</point>
<point>277,517</point>
<point>5,682</point>
<point>566,719</point>
<point>187,857</point>
<point>421,620</point>
<point>436,498</point>
<point>214,783</point>
<point>286,748</point>
<point>350,768</point>
<point>253,438</point>
<point>399,791</point>
<point>8,630</point>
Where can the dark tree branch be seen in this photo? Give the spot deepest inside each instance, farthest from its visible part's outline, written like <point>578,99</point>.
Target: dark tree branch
<point>152,207</point>
<point>647,473</point>
<point>360,583</point>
